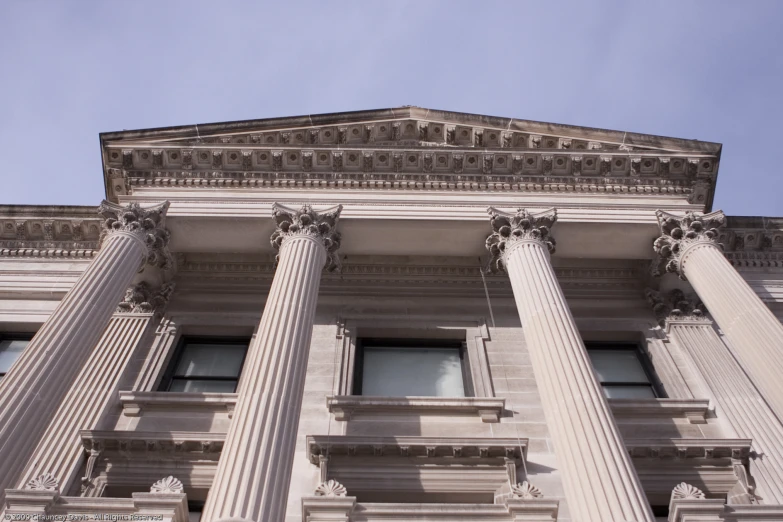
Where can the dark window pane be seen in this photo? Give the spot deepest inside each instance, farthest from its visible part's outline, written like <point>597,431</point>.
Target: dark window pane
<point>211,360</point>
<point>629,392</point>
<point>618,366</point>
<point>10,350</point>
<point>411,372</point>
<point>202,386</point>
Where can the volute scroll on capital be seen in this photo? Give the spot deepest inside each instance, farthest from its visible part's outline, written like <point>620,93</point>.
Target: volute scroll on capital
<point>321,226</point>
<point>508,229</point>
<point>680,233</point>
<point>147,224</point>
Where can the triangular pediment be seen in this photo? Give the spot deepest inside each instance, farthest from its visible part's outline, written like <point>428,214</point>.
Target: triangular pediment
<point>408,148</point>
<point>407,127</point>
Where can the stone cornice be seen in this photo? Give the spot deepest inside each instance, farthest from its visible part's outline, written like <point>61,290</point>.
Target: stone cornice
<point>408,149</point>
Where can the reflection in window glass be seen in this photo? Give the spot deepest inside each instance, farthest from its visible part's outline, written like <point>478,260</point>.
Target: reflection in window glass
<point>412,372</point>
<point>10,350</point>
<point>621,371</point>
<point>208,366</point>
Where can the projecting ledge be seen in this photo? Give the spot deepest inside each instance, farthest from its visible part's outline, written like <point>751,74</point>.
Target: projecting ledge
<point>134,402</point>
<point>490,409</point>
<point>695,410</point>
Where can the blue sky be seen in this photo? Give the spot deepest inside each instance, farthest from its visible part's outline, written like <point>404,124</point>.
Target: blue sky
<point>71,69</point>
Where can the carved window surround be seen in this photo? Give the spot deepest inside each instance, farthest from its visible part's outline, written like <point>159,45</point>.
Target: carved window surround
<point>344,406</point>
<point>475,334</point>
<point>134,402</point>
<point>169,507</point>
<point>695,410</point>
<point>318,509</point>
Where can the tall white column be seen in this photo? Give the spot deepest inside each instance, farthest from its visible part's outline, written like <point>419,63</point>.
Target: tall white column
<point>688,246</point>
<point>254,472</point>
<point>600,482</point>
<point>60,451</point>
<point>35,387</point>
<point>737,399</point>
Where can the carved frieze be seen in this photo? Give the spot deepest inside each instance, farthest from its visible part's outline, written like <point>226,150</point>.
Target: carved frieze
<point>508,229</point>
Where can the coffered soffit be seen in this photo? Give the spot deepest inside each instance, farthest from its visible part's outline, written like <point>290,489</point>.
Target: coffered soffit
<point>406,148</point>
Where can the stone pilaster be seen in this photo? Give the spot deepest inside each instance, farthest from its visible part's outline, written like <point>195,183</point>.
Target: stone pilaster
<point>737,399</point>
<point>31,393</point>
<point>254,472</point>
<point>599,479</point>
<point>60,451</point>
<point>688,246</point>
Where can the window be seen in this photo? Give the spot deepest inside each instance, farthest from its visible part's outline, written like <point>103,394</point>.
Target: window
<point>622,370</point>
<point>410,368</point>
<point>195,508</point>
<point>206,364</point>
<point>11,347</point>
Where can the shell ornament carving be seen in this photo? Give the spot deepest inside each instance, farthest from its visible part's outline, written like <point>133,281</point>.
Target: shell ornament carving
<point>45,482</point>
<point>683,491</point>
<point>167,485</point>
<point>307,222</point>
<point>508,229</point>
<point>331,488</point>
<point>526,490</point>
<point>678,233</point>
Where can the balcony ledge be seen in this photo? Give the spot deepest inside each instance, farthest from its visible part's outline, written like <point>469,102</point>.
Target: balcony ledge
<point>490,409</point>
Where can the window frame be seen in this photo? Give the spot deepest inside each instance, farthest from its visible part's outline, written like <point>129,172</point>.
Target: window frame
<point>15,336</point>
<point>383,342</point>
<point>649,371</point>
<point>169,376</point>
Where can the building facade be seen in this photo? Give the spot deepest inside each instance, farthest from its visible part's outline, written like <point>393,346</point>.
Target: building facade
<point>393,315</point>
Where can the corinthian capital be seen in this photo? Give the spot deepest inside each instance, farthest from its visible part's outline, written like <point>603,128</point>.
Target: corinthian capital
<point>508,228</point>
<point>321,226</point>
<point>142,299</point>
<point>681,232</point>
<point>676,305</point>
<point>147,224</point>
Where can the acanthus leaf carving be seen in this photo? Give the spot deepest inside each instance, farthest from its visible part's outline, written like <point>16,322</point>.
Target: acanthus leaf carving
<point>142,299</point>
<point>676,305</point>
<point>681,233</point>
<point>509,229</point>
<point>320,225</point>
<point>148,224</point>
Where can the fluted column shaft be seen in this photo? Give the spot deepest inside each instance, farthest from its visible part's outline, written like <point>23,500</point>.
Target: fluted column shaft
<point>31,393</point>
<point>738,401</point>
<point>600,482</point>
<point>94,392</point>
<point>752,329</point>
<point>254,473</point>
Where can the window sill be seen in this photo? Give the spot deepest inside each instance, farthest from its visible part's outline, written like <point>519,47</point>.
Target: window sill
<point>695,410</point>
<point>133,402</point>
<point>490,409</point>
